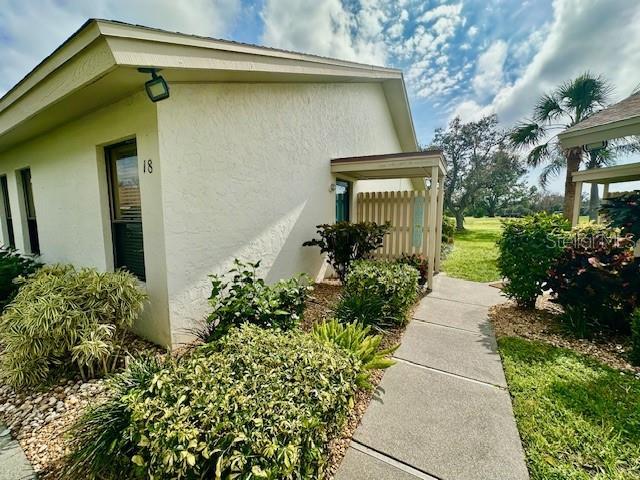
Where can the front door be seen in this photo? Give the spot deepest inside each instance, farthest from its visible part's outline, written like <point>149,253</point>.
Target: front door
<point>126,207</point>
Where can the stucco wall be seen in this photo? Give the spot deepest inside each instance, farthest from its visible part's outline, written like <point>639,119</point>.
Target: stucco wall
<point>71,197</point>
<point>246,174</point>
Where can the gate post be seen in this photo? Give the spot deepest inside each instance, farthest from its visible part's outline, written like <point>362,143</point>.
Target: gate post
<point>433,205</point>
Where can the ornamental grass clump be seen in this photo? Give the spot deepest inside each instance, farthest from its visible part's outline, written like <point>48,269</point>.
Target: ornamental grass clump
<point>254,404</point>
<point>359,341</point>
<point>63,317</point>
<point>527,248</point>
<point>393,286</point>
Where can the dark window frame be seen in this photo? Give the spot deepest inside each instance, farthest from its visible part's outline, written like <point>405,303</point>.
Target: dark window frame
<point>30,210</point>
<point>4,185</point>
<point>116,222</point>
<point>347,199</point>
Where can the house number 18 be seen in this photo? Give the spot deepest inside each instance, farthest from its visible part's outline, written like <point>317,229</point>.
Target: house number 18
<point>147,166</point>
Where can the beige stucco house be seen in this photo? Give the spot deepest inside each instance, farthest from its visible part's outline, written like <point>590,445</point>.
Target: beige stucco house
<point>236,162</point>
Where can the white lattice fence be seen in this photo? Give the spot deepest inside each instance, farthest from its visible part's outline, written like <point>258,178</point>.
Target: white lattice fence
<point>407,212</point>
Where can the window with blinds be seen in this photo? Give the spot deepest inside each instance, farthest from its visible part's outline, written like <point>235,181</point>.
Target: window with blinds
<point>126,207</point>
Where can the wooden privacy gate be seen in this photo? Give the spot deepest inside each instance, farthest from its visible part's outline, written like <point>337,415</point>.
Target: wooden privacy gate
<point>408,212</point>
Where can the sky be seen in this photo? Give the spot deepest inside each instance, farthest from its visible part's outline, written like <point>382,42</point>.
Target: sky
<point>462,58</point>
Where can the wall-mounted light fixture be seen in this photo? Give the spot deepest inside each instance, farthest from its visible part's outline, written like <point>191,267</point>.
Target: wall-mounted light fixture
<point>157,88</point>
<point>594,147</point>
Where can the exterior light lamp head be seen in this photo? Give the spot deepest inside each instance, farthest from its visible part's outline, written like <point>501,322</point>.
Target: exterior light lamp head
<point>594,147</point>
<point>156,88</point>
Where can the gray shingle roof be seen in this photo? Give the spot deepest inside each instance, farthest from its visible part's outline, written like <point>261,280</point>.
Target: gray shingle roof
<point>623,110</point>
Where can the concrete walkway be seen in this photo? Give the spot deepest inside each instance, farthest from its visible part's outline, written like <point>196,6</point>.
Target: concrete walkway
<point>13,463</point>
<point>443,411</point>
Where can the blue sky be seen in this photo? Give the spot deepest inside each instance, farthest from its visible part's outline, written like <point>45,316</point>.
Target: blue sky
<point>461,57</point>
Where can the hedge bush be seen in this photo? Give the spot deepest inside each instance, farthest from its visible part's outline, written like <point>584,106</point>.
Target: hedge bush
<point>448,230</point>
<point>246,298</point>
<point>65,317</point>
<point>417,261</point>
<point>526,249</point>
<point>623,212</point>
<point>12,266</point>
<point>596,280</point>
<point>346,242</point>
<point>394,285</point>
<point>254,404</point>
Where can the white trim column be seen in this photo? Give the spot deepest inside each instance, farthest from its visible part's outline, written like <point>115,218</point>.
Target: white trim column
<point>433,205</point>
<point>577,201</point>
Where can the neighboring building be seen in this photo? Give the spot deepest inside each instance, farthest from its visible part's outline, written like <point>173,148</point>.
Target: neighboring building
<point>235,163</point>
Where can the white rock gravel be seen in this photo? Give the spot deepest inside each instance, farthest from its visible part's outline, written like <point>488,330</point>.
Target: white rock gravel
<point>39,420</point>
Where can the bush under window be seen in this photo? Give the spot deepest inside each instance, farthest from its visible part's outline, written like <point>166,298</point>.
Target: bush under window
<point>12,266</point>
<point>254,404</point>
<point>63,317</point>
<point>526,249</point>
<point>245,298</point>
<point>393,286</point>
<point>346,242</point>
<point>596,280</point>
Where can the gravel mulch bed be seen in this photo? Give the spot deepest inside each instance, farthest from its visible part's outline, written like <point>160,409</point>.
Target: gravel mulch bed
<point>543,324</point>
<point>39,419</point>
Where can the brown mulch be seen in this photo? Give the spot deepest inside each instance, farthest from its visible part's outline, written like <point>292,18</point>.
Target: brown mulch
<point>319,308</point>
<point>543,324</point>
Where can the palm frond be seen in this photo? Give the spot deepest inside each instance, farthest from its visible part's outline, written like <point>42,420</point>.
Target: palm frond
<point>538,154</point>
<point>552,169</point>
<point>548,108</point>
<point>585,94</point>
<point>526,134</point>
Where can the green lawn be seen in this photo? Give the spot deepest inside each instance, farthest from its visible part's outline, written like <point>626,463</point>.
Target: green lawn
<point>474,252</point>
<point>578,419</point>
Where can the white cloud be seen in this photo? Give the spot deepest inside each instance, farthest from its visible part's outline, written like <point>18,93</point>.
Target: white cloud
<point>472,32</point>
<point>585,35</point>
<point>489,71</point>
<point>442,11</point>
<point>371,31</point>
<point>326,27</point>
<point>31,29</point>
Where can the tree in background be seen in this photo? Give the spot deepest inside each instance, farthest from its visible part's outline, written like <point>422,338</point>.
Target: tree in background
<point>470,152</point>
<point>567,105</point>
<point>504,187</point>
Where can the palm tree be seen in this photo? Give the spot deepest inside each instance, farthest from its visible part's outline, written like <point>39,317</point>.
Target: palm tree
<point>570,103</point>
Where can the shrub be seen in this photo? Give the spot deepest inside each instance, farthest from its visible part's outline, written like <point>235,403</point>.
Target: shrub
<point>359,307</point>
<point>623,212</point>
<point>98,444</point>
<point>245,298</point>
<point>345,242</point>
<point>526,249</point>
<point>12,266</point>
<point>635,337</point>
<point>596,280</point>
<point>448,230</point>
<point>357,340</point>
<point>395,284</point>
<point>418,262</point>
<point>63,316</point>
<point>255,404</point>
